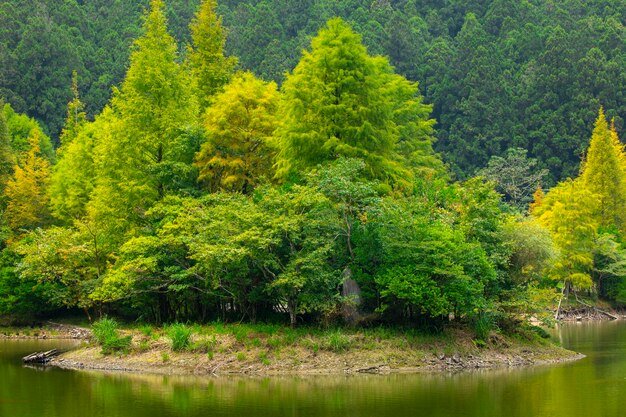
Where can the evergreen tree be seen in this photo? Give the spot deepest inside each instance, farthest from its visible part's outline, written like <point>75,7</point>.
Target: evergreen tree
<point>211,70</point>
<point>148,150</point>
<point>7,158</point>
<point>238,126</point>
<point>27,205</point>
<point>603,175</point>
<point>340,101</point>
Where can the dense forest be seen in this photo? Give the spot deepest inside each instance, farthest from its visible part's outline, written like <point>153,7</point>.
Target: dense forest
<point>257,165</point>
<point>500,74</point>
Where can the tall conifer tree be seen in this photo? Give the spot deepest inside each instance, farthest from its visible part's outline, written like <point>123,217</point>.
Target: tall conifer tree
<point>340,101</point>
<point>210,68</point>
<point>27,205</point>
<point>147,151</point>
<point>603,175</point>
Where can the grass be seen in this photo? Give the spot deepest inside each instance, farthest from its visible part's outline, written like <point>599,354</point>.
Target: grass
<point>106,333</point>
<point>265,344</point>
<point>179,335</point>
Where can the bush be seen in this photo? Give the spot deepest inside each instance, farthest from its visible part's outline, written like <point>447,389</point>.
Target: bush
<point>484,323</point>
<point>179,335</point>
<point>106,334</point>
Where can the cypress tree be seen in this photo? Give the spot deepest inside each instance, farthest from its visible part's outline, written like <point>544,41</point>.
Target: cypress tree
<point>603,175</point>
<point>211,70</point>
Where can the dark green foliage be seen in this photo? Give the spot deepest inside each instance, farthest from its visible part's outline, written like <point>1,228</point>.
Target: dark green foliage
<point>484,323</point>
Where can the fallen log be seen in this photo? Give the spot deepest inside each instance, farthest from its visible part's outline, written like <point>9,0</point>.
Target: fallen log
<point>40,357</point>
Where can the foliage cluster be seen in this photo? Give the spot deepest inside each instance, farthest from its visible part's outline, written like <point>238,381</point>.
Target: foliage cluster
<point>200,193</point>
<point>500,74</point>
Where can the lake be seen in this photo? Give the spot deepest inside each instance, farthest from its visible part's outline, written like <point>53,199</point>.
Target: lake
<point>594,386</point>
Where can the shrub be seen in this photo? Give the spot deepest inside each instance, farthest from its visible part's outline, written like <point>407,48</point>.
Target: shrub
<point>179,335</point>
<point>484,323</point>
<point>106,334</point>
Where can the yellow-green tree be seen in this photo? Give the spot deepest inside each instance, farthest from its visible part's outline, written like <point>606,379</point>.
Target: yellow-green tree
<point>73,176</point>
<point>210,68</point>
<point>76,116</point>
<point>27,197</point>
<point>238,126</point>
<point>603,175</point>
<point>7,157</point>
<point>342,102</point>
<point>568,212</point>
<point>147,151</point>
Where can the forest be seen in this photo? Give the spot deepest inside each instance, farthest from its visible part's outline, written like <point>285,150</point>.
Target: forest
<point>253,162</point>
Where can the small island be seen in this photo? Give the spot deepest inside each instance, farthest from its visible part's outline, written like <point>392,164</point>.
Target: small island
<point>209,221</point>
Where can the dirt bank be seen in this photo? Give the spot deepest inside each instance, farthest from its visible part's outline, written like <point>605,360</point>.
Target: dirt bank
<point>255,355</point>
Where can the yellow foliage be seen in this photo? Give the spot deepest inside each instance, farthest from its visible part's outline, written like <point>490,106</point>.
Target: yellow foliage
<point>27,205</point>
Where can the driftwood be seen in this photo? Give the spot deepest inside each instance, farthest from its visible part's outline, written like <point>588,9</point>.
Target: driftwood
<point>606,313</point>
<point>40,357</point>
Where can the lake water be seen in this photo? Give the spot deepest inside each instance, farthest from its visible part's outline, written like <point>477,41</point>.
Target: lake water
<point>594,386</point>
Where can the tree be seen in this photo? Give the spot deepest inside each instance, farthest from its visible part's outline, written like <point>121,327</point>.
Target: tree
<point>238,126</point>
<point>340,101</point>
<point>150,146</point>
<point>73,176</point>
<point>65,261</point>
<point>603,175</point>
<point>515,176</point>
<point>568,212</point>
<point>26,192</point>
<point>76,116</point>
<point>211,70</point>
<point>7,158</point>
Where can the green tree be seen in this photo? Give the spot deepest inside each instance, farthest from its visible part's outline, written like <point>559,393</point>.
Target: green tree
<point>210,68</point>
<point>149,150</point>
<point>65,261</point>
<point>238,126</point>
<point>515,176</point>
<point>340,101</point>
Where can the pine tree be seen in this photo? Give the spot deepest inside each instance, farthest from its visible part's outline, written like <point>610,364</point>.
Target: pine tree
<point>603,175</point>
<point>238,126</point>
<point>27,205</point>
<point>211,70</point>
<point>340,101</point>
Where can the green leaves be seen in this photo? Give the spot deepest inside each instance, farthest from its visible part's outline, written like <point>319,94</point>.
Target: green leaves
<point>341,102</point>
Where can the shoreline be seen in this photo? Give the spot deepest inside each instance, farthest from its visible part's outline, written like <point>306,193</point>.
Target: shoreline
<point>432,366</point>
<point>258,354</point>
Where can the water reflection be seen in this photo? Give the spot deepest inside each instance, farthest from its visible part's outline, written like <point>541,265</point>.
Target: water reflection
<point>594,386</point>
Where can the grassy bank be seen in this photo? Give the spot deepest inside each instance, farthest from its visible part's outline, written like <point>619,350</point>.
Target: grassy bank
<point>277,350</point>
